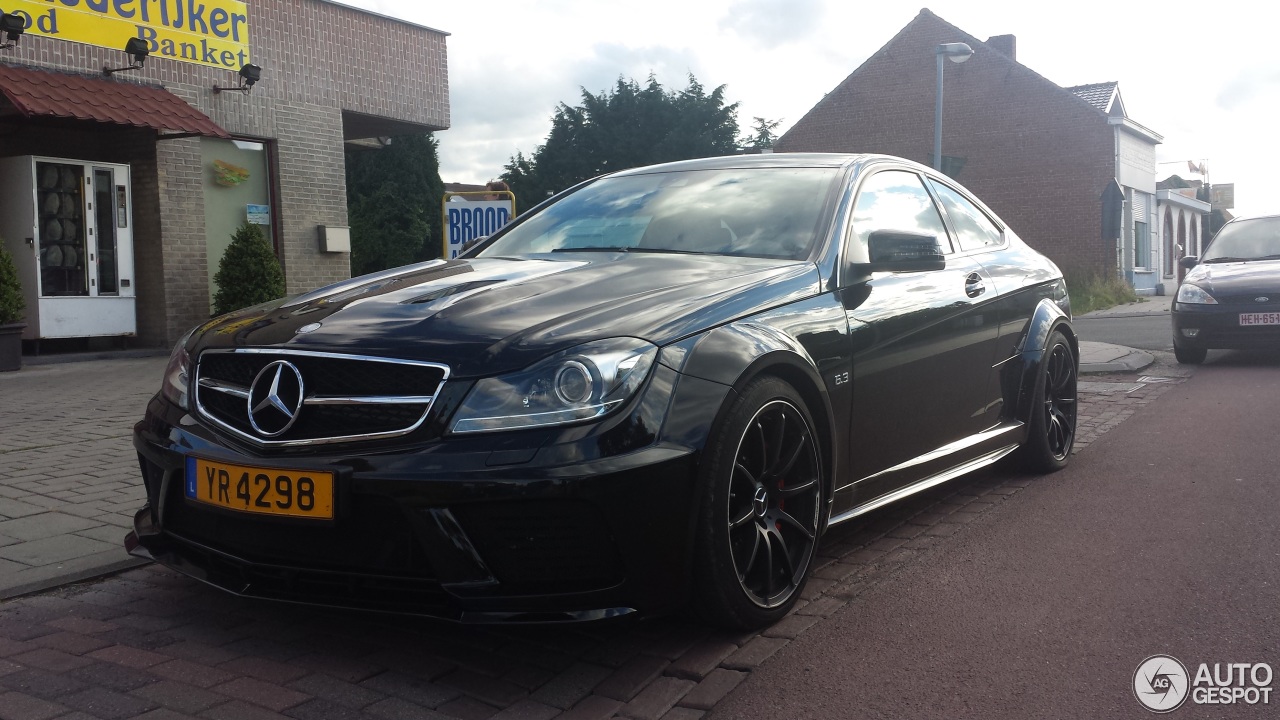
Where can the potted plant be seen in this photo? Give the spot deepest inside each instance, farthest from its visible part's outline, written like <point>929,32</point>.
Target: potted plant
<point>11,307</point>
<point>249,272</point>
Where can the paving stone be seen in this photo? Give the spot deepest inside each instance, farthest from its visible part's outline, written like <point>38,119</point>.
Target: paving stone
<point>11,508</point>
<point>822,607</point>
<point>268,695</point>
<point>701,659</point>
<point>491,690</point>
<point>112,676</point>
<point>85,626</point>
<point>263,669</point>
<point>70,642</point>
<point>466,708</point>
<point>749,656</point>
<point>790,626</point>
<point>943,529</point>
<point>20,706</point>
<point>129,656</point>
<point>570,686</point>
<point>56,549</point>
<point>239,710</point>
<point>655,700</point>
<point>593,707</point>
<point>338,691</point>
<point>193,673</point>
<point>683,713</point>
<point>320,709</point>
<point>42,684</point>
<point>107,704</point>
<point>418,691</point>
<point>54,660</point>
<point>713,688</point>
<point>181,697</point>
<point>627,681</point>
<point>395,708</point>
<point>528,710</point>
<point>45,525</point>
<point>157,714</point>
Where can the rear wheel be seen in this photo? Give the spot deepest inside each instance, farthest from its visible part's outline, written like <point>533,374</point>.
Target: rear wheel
<point>1051,431</point>
<point>1189,355</point>
<point>762,508</point>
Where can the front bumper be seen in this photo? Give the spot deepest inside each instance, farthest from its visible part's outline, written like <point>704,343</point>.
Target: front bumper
<point>438,529</point>
<point>1217,327</point>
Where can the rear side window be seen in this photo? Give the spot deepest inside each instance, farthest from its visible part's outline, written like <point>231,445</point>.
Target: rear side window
<point>974,230</point>
<point>894,200</point>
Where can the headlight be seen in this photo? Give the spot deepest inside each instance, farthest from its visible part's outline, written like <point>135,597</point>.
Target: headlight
<point>1194,295</point>
<point>583,383</point>
<point>177,374</point>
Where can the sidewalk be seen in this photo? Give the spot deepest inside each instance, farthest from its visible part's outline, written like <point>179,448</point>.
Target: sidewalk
<point>1154,305</point>
<point>69,482</point>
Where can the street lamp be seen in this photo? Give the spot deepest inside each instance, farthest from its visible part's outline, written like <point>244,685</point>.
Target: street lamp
<point>958,53</point>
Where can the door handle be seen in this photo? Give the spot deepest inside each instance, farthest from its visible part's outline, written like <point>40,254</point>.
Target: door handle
<point>973,286</point>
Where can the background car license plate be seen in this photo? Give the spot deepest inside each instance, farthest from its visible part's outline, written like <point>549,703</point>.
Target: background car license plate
<point>1271,318</point>
<point>264,491</point>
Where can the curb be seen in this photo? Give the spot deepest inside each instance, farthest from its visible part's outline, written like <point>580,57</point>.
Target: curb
<point>76,576</point>
<point>1134,361</point>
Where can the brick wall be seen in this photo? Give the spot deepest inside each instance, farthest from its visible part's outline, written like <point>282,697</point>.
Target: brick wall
<point>319,60</point>
<point>1036,154</point>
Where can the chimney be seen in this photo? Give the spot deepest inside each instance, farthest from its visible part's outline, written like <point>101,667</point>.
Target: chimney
<point>1006,44</point>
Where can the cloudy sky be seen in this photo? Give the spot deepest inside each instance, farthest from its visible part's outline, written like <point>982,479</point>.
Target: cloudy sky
<point>1205,75</point>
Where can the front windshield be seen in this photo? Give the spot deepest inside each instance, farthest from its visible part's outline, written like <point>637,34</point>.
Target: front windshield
<point>1257,239</point>
<point>757,212</point>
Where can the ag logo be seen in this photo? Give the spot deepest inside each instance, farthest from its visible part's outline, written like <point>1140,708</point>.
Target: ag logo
<point>1161,683</point>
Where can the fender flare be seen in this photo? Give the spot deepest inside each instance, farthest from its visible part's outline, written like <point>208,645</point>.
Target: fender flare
<point>1047,318</point>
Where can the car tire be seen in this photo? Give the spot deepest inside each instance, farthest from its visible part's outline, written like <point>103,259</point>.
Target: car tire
<point>1190,355</point>
<point>1051,429</point>
<point>762,508</point>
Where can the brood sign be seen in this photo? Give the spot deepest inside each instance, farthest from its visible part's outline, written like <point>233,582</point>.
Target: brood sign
<point>204,32</point>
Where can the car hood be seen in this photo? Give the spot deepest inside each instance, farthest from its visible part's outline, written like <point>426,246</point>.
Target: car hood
<point>1237,278</point>
<point>492,315</point>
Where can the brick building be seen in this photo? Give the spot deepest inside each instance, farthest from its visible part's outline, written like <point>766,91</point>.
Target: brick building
<point>1065,167</point>
<point>191,163</point>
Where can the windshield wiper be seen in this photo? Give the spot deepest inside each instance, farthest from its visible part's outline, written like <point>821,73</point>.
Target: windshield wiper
<point>1229,259</point>
<point>623,249</point>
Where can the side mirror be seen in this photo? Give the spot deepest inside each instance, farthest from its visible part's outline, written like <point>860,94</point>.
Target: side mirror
<point>899,251</point>
<point>1188,262</point>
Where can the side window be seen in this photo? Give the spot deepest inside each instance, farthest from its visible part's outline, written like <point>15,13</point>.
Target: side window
<point>894,200</point>
<point>974,230</point>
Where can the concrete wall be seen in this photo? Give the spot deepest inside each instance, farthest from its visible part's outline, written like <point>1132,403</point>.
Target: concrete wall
<point>1036,154</point>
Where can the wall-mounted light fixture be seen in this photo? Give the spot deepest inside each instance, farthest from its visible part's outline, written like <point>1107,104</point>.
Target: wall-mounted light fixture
<point>12,26</point>
<point>137,50</point>
<point>249,75</point>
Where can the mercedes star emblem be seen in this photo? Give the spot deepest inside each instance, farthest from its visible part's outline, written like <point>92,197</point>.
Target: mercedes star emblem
<point>275,398</point>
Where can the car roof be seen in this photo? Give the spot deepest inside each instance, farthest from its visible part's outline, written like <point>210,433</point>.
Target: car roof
<point>777,160</point>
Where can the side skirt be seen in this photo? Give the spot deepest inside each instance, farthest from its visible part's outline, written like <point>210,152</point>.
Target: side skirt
<point>981,461</point>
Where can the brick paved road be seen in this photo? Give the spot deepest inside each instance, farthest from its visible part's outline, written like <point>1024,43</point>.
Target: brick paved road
<point>152,644</point>
<point>68,473</point>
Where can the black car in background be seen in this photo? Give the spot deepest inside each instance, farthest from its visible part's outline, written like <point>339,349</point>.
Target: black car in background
<point>659,388</point>
<point>1230,298</point>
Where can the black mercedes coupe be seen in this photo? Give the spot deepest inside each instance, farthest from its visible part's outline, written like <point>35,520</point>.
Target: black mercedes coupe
<point>1230,299</point>
<point>656,390</point>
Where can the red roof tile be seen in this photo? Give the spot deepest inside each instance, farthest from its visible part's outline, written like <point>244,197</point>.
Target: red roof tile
<point>41,93</point>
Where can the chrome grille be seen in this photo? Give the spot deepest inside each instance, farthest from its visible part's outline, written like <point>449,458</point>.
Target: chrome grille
<point>344,398</point>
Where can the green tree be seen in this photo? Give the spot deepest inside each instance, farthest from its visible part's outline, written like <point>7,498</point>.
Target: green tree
<point>629,126</point>
<point>762,135</point>
<point>11,302</point>
<point>249,272</point>
<point>393,204</point>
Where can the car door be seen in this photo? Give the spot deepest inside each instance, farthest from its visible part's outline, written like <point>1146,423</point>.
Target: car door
<point>921,348</point>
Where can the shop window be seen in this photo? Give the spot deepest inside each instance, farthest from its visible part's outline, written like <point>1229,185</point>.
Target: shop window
<point>238,188</point>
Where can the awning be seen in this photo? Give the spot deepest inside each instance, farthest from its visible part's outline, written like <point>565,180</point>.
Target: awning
<point>39,93</point>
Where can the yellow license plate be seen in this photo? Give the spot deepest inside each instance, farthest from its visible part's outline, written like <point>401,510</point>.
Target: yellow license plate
<point>263,491</point>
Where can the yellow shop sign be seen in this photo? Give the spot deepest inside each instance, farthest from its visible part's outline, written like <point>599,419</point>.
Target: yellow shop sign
<point>204,32</point>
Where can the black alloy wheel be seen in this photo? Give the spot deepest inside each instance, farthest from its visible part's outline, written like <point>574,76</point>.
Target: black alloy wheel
<point>1052,431</point>
<point>765,507</point>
